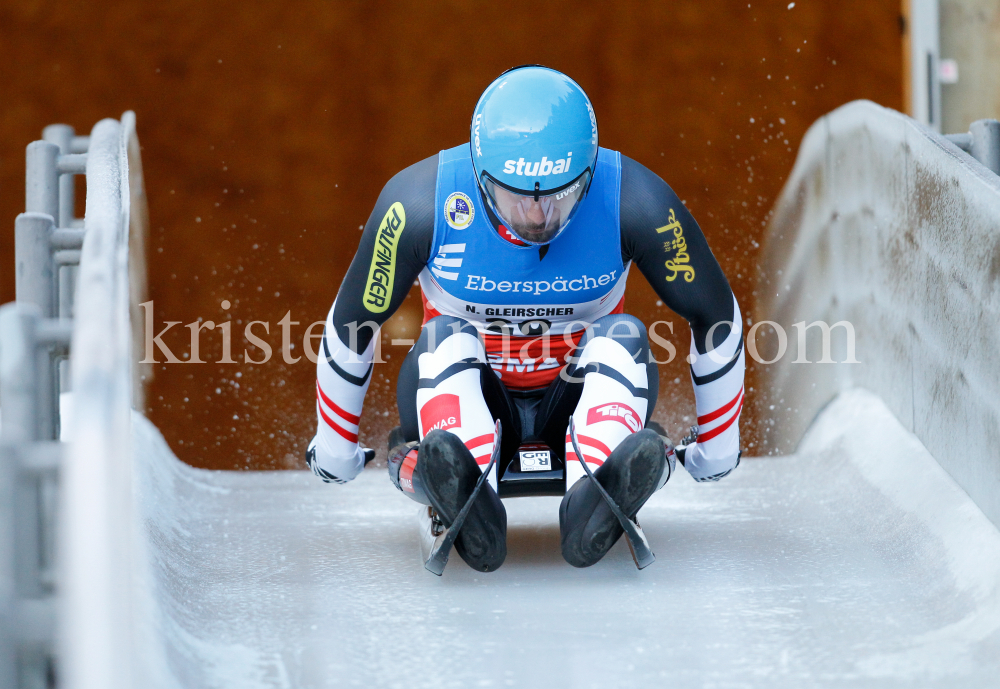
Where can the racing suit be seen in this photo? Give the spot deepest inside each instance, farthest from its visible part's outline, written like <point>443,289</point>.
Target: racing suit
<point>508,325</point>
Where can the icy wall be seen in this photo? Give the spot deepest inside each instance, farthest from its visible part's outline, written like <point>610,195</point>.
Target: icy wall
<point>889,226</point>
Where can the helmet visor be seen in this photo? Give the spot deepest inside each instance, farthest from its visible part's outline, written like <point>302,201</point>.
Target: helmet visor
<point>536,219</point>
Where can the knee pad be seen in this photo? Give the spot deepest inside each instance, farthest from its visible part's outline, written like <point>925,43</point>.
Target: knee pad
<point>624,329</point>
<point>612,404</point>
<point>630,333</point>
<point>449,389</point>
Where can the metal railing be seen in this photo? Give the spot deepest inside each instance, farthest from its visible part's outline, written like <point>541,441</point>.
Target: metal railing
<point>982,142</point>
<point>65,494</point>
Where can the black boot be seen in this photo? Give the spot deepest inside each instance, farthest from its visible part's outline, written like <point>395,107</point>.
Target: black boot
<point>587,526</point>
<point>449,474</point>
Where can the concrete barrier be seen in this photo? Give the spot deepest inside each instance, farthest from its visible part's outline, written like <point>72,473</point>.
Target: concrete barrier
<point>887,225</point>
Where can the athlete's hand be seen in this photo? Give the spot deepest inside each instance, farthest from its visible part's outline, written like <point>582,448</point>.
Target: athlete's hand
<point>701,468</point>
<point>337,469</point>
<point>689,440</point>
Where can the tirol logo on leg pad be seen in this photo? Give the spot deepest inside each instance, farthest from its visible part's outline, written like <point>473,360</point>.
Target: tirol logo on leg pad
<point>615,411</point>
<point>441,413</point>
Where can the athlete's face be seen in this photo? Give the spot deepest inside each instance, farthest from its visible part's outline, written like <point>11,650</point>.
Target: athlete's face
<point>537,221</point>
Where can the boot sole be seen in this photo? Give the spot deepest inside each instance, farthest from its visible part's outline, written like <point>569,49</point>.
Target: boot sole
<point>587,525</point>
<point>449,475</point>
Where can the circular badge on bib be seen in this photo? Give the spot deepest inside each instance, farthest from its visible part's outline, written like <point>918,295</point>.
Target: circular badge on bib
<point>459,211</point>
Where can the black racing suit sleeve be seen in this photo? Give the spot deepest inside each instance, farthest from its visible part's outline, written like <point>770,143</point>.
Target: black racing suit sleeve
<point>414,189</point>
<point>662,238</point>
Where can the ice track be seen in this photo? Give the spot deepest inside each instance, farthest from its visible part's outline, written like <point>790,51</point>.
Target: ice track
<point>857,562</point>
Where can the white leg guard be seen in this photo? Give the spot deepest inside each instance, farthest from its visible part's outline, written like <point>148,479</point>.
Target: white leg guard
<point>450,396</point>
<point>342,380</point>
<point>718,391</point>
<point>612,405</point>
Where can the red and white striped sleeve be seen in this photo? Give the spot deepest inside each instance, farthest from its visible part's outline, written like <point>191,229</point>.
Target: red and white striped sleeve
<point>342,379</point>
<point>717,377</point>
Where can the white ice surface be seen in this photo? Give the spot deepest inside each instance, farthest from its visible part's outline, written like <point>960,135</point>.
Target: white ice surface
<point>857,562</point>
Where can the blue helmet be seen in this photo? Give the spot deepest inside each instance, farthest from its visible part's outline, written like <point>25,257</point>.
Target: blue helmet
<point>534,148</point>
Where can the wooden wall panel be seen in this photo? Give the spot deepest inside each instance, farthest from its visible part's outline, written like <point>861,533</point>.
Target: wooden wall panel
<point>268,131</point>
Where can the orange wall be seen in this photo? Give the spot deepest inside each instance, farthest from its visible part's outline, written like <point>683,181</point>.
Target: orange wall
<point>268,132</point>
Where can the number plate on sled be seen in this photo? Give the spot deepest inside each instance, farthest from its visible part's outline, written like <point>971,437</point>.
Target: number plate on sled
<point>535,460</point>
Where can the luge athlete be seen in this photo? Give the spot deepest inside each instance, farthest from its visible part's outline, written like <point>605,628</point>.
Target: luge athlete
<point>522,240</point>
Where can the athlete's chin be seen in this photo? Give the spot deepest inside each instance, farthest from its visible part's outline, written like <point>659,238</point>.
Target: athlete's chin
<point>536,235</point>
